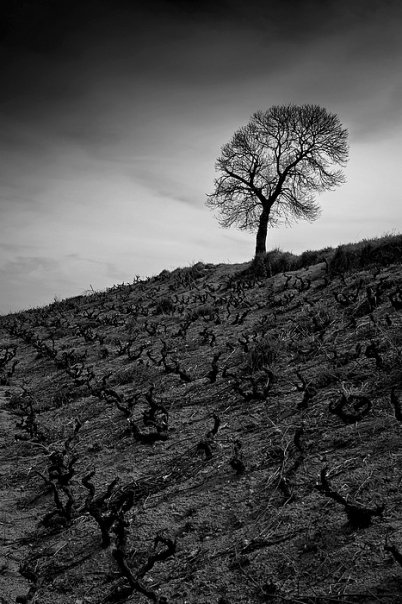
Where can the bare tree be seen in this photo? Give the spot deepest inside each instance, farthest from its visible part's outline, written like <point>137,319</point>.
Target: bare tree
<point>272,168</point>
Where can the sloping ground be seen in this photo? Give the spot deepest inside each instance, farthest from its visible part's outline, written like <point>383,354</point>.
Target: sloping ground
<point>254,426</point>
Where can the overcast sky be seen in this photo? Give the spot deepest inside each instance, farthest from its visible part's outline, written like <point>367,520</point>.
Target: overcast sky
<point>112,114</point>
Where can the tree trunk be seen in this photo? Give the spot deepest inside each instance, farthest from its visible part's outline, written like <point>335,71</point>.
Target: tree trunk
<point>262,232</point>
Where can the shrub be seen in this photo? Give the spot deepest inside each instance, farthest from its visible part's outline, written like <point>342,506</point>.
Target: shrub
<point>164,306</point>
<point>163,276</point>
<point>383,252</point>
<point>103,353</point>
<point>262,354</point>
<point>258,268</point>
<point>311,257</point>
<point>186,276</point>
<point>277,261</point>
<point>369,252</point>
<point>341,261</point>
<point>61,398</point>
<point>206,310</point>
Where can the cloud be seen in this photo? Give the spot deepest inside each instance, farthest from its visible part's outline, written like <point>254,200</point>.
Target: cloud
<point>31,266</point>
<point>25,278</point>
<point>111,128</point>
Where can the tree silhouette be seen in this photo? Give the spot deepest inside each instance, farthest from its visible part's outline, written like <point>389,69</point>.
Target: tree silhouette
<point>272,168</point>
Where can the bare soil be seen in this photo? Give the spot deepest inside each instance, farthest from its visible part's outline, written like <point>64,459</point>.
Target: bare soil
<point>262,389</point>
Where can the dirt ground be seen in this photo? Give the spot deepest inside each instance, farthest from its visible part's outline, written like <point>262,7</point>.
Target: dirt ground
<point>254,426</point>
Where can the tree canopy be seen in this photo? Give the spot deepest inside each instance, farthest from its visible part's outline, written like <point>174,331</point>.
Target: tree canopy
<point>272,168</point>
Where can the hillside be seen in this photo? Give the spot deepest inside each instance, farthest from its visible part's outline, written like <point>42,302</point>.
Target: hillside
<point>209,435</point>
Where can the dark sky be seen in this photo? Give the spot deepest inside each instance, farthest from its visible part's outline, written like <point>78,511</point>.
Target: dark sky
<point>112,114</point>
